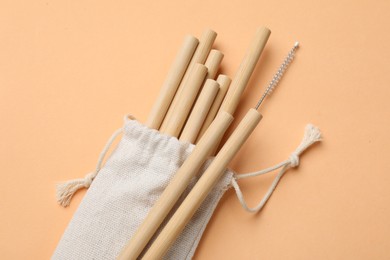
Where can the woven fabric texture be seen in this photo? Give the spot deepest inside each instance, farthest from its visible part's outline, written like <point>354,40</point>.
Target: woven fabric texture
<point>123,192</point>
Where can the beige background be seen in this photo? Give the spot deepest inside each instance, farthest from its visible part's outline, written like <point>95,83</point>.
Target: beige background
<point>70,70</point>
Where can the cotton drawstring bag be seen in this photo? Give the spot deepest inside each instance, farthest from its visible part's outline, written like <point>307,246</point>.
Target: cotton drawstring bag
<point>121,193</point>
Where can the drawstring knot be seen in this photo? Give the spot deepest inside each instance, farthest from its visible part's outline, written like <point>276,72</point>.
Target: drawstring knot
<point>89,178</point>
<point>66,190</point>
<point>311,136</point>
<point>294,160</point>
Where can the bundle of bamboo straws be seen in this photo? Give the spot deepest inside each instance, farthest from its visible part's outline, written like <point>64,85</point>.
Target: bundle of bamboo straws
<point>196,108</point>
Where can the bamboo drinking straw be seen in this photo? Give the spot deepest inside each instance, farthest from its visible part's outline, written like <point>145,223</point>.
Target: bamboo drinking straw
<point>202,51</point>
<point>204,185</point>
<point>176,187</point>
<point>224,82</point>
<point>187,99</point>
<point>199,111</point>
<point>202,105</point>
<point>212,63</point>
<point>245,70</point>
<point>215,170</point>
<point>172,82</point>
<point>210,139</point>
<point>195,78</point>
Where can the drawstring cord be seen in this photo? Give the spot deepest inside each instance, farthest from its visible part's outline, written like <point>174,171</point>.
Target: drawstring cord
<point>311,136</point>
<point>66,190</point>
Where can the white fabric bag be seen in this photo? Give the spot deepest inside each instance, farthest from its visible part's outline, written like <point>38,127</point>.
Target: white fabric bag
<point>123,191</point>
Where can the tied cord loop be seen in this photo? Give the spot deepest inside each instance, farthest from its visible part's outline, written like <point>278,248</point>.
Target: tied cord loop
<point>294,160</point>
<point>311,136</point>
<point>66,190</point>
<point>89,178</point>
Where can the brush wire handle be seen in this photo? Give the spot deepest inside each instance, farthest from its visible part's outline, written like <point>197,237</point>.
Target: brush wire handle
<point>176,187</point>
<point>202,188</point>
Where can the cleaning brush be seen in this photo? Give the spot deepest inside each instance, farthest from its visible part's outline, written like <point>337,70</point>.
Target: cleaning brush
<point>278,75</point>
